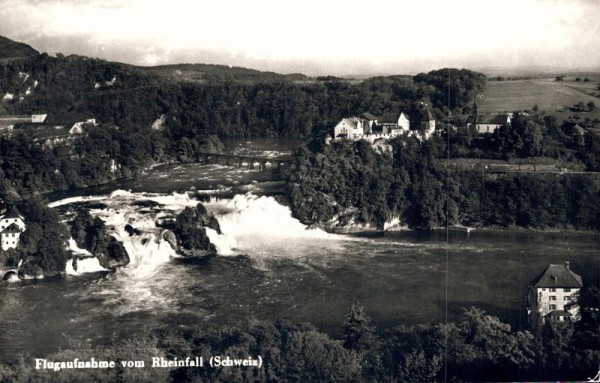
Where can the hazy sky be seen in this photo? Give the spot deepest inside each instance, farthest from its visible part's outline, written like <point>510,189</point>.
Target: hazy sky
<point>315,36</point>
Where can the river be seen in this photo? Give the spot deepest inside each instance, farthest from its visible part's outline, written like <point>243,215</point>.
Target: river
<point>270,266</point>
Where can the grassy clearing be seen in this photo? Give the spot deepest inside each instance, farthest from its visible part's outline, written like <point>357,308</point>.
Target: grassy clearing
<point>508,96</point>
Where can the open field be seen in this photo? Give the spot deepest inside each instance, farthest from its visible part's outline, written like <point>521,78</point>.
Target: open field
<point>509,96</point>
<point>590,88</point>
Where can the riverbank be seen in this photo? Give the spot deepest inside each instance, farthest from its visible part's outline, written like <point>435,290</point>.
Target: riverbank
<point>366,230</point>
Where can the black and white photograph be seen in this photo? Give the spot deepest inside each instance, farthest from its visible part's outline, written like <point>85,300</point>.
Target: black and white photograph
<point>299,191</point>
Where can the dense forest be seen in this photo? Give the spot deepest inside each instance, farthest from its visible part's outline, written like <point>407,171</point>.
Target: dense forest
<point>225,101</point>
<point>97,157</point>
<point>127,100</point>
<point>356,183</point>
<point>479,347</point>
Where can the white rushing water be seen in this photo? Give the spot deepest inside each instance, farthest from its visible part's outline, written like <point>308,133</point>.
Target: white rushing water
<point>262,227</point>
<point>259,227</point>
<point>86,262</point>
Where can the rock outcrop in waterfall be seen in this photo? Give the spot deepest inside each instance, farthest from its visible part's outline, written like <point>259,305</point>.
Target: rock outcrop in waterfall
<point>187,234</point>
<point>90,233</point>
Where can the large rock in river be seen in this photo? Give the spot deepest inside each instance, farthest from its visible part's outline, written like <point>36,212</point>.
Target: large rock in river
<point>114,256</point>
<point>190,230</point>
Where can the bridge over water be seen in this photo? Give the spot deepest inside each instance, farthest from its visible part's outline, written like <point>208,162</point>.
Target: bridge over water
<point>242,161</point>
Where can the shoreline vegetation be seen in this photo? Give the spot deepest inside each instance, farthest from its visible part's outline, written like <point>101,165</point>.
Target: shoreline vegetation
<point>478,347</point>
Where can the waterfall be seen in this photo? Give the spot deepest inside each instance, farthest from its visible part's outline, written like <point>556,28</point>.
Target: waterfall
<point>262,227</point>
<point>259,227</point>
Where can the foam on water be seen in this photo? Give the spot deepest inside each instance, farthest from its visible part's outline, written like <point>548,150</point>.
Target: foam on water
<point>256,226</point>
<point>89,264</point>
<point>262,227</point>
<point>71,200</point>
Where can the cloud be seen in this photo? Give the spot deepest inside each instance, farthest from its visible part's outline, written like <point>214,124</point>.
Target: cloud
<point>378,34</point>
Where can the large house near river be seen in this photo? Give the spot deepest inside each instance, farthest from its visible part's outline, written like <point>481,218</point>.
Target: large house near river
<point>370,127</point>
<point>553,294</point>
<point>12,225</point>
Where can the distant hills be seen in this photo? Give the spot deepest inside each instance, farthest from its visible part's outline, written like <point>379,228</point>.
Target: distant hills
<point>207,72</point>
<point>198,73</point>
<point>11,49</point>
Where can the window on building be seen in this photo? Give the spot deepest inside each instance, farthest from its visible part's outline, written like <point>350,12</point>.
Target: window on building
<point>552,297</point>
<point>567,290</point>
<point>552,307</point>
<point>567,298</point>
<point>552,289</point>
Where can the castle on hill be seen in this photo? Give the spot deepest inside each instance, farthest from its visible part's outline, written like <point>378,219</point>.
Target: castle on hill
<point>389,125</point>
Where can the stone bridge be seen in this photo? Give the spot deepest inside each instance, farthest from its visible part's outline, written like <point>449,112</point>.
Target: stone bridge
<point>241,161</point>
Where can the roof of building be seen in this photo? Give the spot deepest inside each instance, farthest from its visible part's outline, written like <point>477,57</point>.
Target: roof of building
<point>352,121</point>
<point>559,313</point>
<point>493,119</point>
<point>560,276</point>
<point>43,130</point>
<point>12,228</point>
<point>29,125</point>
<point>577,129</point>
<point>369,116</point>
<point>65,118</point>
<point>12,213</point>
<point>427,113</point>
<point>388,118</point>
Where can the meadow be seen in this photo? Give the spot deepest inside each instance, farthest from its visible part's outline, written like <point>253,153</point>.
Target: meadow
<point>547,94</point>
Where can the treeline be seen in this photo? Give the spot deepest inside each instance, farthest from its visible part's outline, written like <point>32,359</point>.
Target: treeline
<point>225,106</point>
<point>527,136</point>
<point>477,348</point>
<point>453,88</point>
<point>355,183</point>
<point>102,154</point>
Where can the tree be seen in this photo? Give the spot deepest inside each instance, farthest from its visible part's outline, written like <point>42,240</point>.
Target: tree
<point>580,107</point>
<point>559,78</point>
<point>356,328</point>
<point>591,106</point>
<point>416,367</point>
<point>313,357</point>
